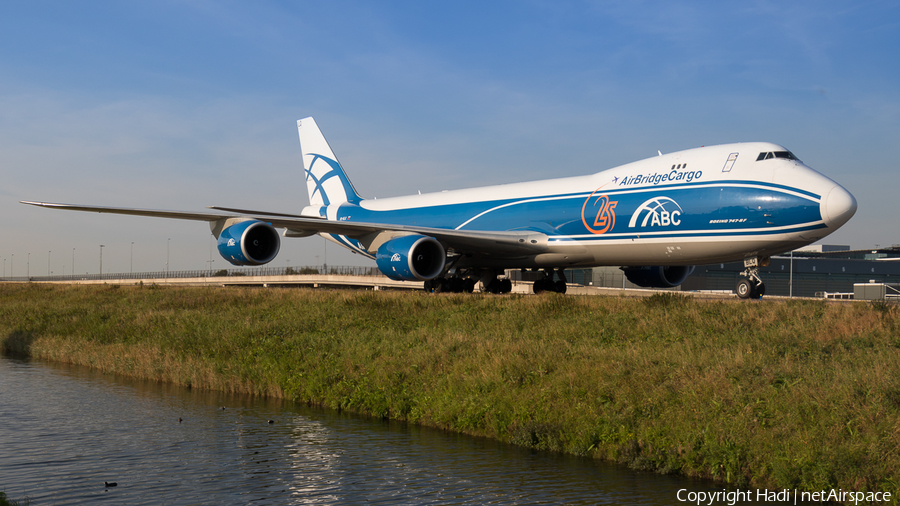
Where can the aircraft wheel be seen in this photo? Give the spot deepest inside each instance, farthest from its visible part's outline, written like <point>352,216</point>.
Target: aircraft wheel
<point>744,288</point>
<point>469,285</point>
<point>560,287</point>
<point>439,285</point>
<point>540,286</point>
<point>505,285</point>
<point>456,284</point>
<point>428,286</point>
<point>759,291</point>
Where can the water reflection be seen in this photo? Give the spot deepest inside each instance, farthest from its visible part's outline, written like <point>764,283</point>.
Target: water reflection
<point>66,430</point>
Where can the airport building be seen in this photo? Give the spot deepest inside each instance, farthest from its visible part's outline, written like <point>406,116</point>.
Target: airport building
<point>820,272</point>
<point>816,271</point>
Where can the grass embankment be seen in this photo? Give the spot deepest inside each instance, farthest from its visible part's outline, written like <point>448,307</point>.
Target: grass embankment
<point>778,394</point>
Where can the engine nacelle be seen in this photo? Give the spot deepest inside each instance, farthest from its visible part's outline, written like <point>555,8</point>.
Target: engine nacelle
<point>411,258</point>
<point>658,276</point>
<point>249,242</point>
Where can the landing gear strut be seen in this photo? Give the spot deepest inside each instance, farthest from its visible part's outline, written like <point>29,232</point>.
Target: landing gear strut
<point>752,287</point>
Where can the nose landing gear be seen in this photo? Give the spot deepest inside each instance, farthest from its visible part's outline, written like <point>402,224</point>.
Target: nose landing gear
<point>752,287</point>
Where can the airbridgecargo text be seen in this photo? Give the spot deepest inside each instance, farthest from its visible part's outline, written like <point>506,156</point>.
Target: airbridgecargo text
<point>662,177</point>
<point>783,496</point>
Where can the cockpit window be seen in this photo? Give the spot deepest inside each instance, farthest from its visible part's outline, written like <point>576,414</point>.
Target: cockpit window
<point>776,154</point>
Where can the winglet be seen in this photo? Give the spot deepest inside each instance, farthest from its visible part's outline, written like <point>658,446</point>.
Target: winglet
<point>326,181</point>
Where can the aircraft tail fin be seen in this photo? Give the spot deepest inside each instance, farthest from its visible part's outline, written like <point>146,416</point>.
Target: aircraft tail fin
<point>325,178</point>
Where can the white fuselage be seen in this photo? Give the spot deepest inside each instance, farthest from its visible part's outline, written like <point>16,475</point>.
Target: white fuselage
<point>702,205</point>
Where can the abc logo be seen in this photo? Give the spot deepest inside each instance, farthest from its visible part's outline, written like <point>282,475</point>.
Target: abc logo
<point>657,212</point>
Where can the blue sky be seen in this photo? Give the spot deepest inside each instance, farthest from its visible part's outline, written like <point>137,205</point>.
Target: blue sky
<point>181,105</point>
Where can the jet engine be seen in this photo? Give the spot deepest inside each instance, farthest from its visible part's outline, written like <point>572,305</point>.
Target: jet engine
<point>249,242</point>
<point>658,276</point>
<point>411,258</point>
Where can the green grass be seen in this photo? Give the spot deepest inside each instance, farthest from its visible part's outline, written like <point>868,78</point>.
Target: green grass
<point>777,394</point>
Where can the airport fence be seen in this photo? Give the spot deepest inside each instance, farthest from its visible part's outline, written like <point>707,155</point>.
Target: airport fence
<point>338,270</point>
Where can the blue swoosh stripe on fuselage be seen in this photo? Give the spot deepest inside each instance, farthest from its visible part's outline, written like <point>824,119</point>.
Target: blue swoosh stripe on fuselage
<point>703,208</point>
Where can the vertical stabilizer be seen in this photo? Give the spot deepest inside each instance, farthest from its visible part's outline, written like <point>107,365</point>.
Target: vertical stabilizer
<point>325,178</point>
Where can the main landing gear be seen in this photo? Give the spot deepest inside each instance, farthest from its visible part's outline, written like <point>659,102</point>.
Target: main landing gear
<point>465,281</point>
<point>491,283</point>
<point>546,284</point>
<point>497,285</point>
<point>752,287</point>
<point>452,284</point>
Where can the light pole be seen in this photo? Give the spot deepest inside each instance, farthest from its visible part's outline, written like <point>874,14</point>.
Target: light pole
<point>101,260</point>
<point>28,266</point>
<point>791,282</point>
<point>167,257</point>
<point>48,263</point>
<point>132,257</point>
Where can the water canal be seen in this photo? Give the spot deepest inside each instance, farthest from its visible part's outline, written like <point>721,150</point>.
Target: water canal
<point>66,430</point>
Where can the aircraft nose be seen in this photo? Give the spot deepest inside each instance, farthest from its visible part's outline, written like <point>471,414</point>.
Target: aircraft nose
<point>837,207</point>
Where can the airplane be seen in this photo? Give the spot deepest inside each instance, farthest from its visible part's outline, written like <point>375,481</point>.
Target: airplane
<point>657,218</point>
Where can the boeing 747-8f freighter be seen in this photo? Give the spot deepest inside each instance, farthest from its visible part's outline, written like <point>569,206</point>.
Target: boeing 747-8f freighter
<point>657,218</point>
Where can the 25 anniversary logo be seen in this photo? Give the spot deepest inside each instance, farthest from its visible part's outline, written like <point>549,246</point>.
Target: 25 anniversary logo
<point>605,218</point>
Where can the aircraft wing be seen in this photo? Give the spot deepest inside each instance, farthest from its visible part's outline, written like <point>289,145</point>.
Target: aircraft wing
<point>481,243</point>
<point>181,215</point>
